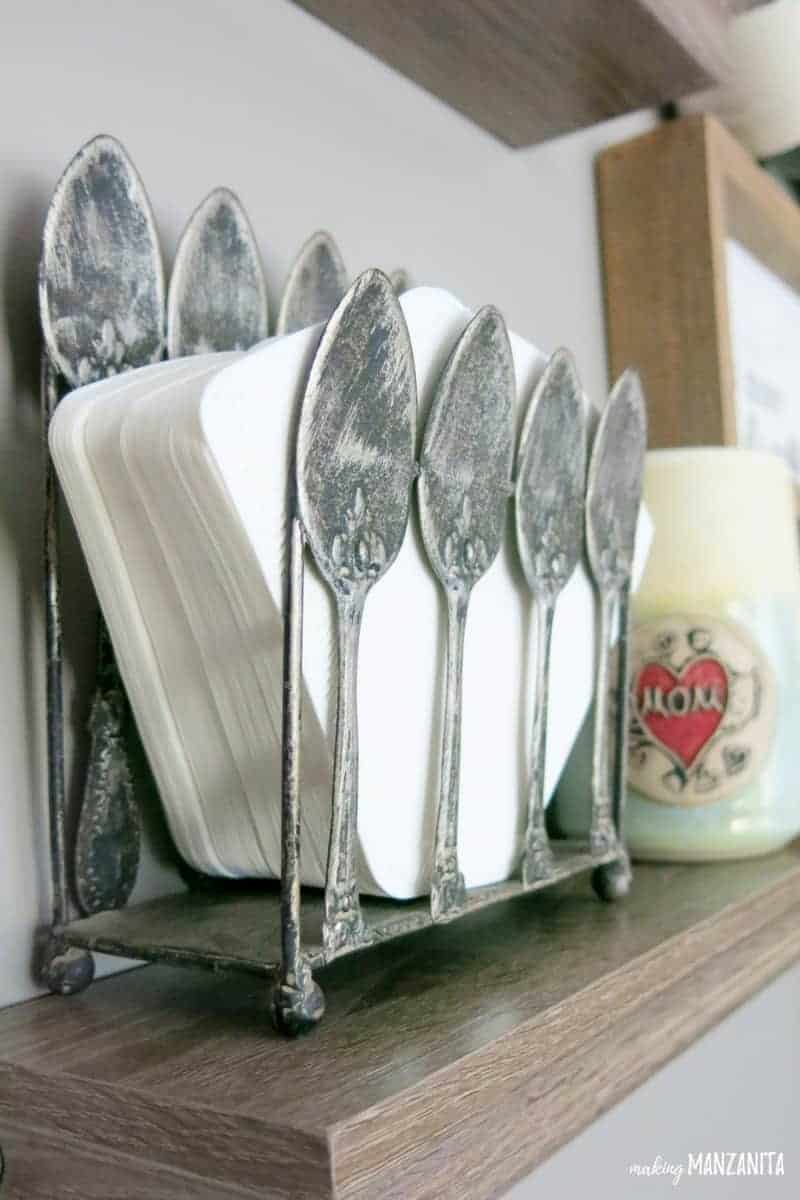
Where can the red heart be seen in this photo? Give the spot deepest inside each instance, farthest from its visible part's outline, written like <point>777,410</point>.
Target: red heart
<point>682,712</point>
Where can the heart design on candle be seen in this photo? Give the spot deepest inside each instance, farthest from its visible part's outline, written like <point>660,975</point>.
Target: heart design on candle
<point>702,709</point>
<point>682,711</point>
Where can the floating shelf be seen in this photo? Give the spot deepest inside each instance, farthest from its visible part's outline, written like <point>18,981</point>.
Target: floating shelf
<point>455,1060</point>
<point>530,71</point>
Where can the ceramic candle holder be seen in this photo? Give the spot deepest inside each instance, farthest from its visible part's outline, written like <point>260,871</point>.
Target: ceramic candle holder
<point>715,663</point>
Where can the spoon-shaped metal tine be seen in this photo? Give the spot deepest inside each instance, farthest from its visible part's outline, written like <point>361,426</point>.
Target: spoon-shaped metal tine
<point>551,476</point>
<point>613,497</point>
<point>101,297</point>
<point>463,491</point>
<point>101,279</point>
<point>316,284</point>
<point>354,472</point>
<point>217,294</point>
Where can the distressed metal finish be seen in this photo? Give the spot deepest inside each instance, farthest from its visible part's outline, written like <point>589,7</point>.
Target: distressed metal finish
<point>107,842</point>
<point>101,284</point>
<point>355,468</point>
<point>109,826</point>
<point>612,508</point>
<point>101,298</point>
<point>217,292</point>
<point>102,303</point>
<point>316,284</point>
<point>551,475</point>
<point>63,968</point>
<point>56,785</point>
<point>297,1001</point>
<point>239,927</point>
<point>602,832</point>
<point>464,486</point>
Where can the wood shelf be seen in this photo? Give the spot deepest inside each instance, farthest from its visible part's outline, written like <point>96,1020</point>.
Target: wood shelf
<point>531,70</point>
<point>451,1061</point>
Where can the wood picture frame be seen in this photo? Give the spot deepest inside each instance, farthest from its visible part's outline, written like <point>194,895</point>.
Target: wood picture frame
<point>669,201</point>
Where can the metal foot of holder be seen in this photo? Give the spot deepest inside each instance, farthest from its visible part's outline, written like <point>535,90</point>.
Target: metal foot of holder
<point>65,970</point>
<point>297,1007</point>
<point>612,881</point>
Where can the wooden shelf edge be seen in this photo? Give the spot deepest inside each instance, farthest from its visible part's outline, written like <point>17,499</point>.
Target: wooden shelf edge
<point>530,72</point>
<point>456,1058</point>
<point>541,1084</point>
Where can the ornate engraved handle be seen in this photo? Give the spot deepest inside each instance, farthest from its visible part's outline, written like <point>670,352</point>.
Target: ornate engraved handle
<point>109,831</point>
<point>447,884</point>
<point>344,924</point>
<point>621,725</point>
<point>537,862</point>
<point>601,835</point>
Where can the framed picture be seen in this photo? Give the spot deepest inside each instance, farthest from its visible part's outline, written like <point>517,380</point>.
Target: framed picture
<point>701,252</point>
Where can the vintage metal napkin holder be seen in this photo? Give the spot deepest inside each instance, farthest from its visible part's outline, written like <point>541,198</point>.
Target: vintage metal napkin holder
<point>278,932</point>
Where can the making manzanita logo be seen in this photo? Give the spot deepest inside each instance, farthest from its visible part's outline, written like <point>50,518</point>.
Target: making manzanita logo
<point>725,1163</point>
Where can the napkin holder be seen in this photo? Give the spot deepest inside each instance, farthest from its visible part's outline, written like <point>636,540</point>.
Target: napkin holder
<point>274,930</point>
